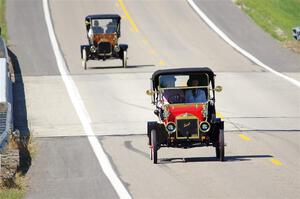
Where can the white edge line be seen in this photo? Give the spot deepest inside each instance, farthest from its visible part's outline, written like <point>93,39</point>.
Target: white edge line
<point>82,112</point>
<point>234,45</point>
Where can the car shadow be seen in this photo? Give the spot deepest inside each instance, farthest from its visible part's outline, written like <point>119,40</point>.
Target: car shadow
<point>20,115</point>
<point>114,67</point>
<point>238,158</point>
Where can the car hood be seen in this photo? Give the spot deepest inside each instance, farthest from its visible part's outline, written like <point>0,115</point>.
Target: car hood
<point>186,109</point>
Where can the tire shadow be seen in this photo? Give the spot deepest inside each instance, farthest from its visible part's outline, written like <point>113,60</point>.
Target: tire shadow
<point>115,67</point>
<point>237,158</point>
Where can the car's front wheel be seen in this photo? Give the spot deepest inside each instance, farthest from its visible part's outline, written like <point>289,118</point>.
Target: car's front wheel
<point>84,58</point>
<point>154,146</point>
<point>220,149</point>
<point>124,59</point>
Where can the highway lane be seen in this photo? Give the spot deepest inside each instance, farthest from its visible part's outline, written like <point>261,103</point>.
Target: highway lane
<point>117,105</point>
<point>63,167</point>
<point>247,172</point>
<point>28,38</point>
<point>154,43</point>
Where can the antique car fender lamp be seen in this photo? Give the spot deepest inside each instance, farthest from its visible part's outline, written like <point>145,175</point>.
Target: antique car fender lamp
<point>150,92</point>
<point>218,88</point>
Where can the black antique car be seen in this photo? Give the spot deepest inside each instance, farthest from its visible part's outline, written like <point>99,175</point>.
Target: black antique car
<point>184,102</point>
<point>103,32</point>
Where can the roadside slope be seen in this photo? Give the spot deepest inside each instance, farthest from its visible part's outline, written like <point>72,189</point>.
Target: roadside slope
<point>242,30</point>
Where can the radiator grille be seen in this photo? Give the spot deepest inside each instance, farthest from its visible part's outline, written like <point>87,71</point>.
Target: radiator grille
<point>187,128</point>
<point>104,48</point>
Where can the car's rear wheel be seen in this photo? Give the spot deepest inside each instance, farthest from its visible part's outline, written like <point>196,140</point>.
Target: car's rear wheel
<point>84,58</point>
<point>154,146</point>
<point>220,149</point>
<point>124,59</point>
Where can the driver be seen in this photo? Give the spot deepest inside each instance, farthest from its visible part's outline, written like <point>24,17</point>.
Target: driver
<point>171,95</point>
<point>95,29</point>
<point>194,95</point>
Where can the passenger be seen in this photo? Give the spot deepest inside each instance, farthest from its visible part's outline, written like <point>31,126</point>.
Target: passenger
<point>194,95</point>
<point>111,27</point>
<point>171,95</point>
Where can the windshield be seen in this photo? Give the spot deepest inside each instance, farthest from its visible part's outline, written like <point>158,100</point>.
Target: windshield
<point>101,26</point>
<point>184,88</point>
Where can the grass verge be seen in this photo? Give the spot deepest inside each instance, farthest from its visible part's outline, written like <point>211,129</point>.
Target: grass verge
<point>11,194</point>
<point>3,21</point>
<point>15,162</point>
<point>277,17</point>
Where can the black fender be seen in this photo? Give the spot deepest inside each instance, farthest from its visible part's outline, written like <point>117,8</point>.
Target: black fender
<point>151,125</point>
<point>162,134</point>
<point>87,47</point>
<point>123,47</point>
<point>219,123</point>
<point>216,126</point>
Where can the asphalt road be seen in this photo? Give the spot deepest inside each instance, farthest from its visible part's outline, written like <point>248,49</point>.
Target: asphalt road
<point>261,110</point>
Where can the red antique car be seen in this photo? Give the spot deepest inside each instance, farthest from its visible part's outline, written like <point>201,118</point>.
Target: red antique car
<point>184,102</point>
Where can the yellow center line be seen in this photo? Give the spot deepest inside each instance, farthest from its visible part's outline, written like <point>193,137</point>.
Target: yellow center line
<point>244,137</point>
<point>276,162</point>
<point>145,41</point>
<point>135,29</point>
<point>162,63</point>
<point>152,52</point>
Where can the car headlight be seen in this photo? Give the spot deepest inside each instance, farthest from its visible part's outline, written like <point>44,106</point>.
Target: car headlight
<point>171,127</point>
<point>204,126</point>
<point>117,48</point>
<point>93,49</point>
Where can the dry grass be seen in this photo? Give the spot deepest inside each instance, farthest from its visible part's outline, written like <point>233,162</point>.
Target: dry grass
<point>16,164</point>
<point>293,45</point>
<point>2,20</point>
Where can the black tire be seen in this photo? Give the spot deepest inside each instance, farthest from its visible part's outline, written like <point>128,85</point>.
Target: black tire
<point>124,59</point>
<point>220,149</point>
<point>154,146</point>
<point>84,58</point>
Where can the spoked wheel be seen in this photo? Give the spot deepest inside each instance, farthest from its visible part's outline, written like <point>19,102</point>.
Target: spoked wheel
<point>124,59</point>
<point>220,149</point>
<point>84,58</point>
<point>154,146</point>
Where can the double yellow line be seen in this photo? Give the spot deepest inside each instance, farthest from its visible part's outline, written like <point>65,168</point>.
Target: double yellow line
<point>134,27</point>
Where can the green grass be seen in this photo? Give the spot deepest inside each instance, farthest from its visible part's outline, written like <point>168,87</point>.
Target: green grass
<point>11,194</point>
<point>276,17</point>
<point>2,20</point>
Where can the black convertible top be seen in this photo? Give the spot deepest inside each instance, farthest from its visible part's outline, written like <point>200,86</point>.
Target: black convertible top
<point>103,16</point>
<point>182,71</point>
